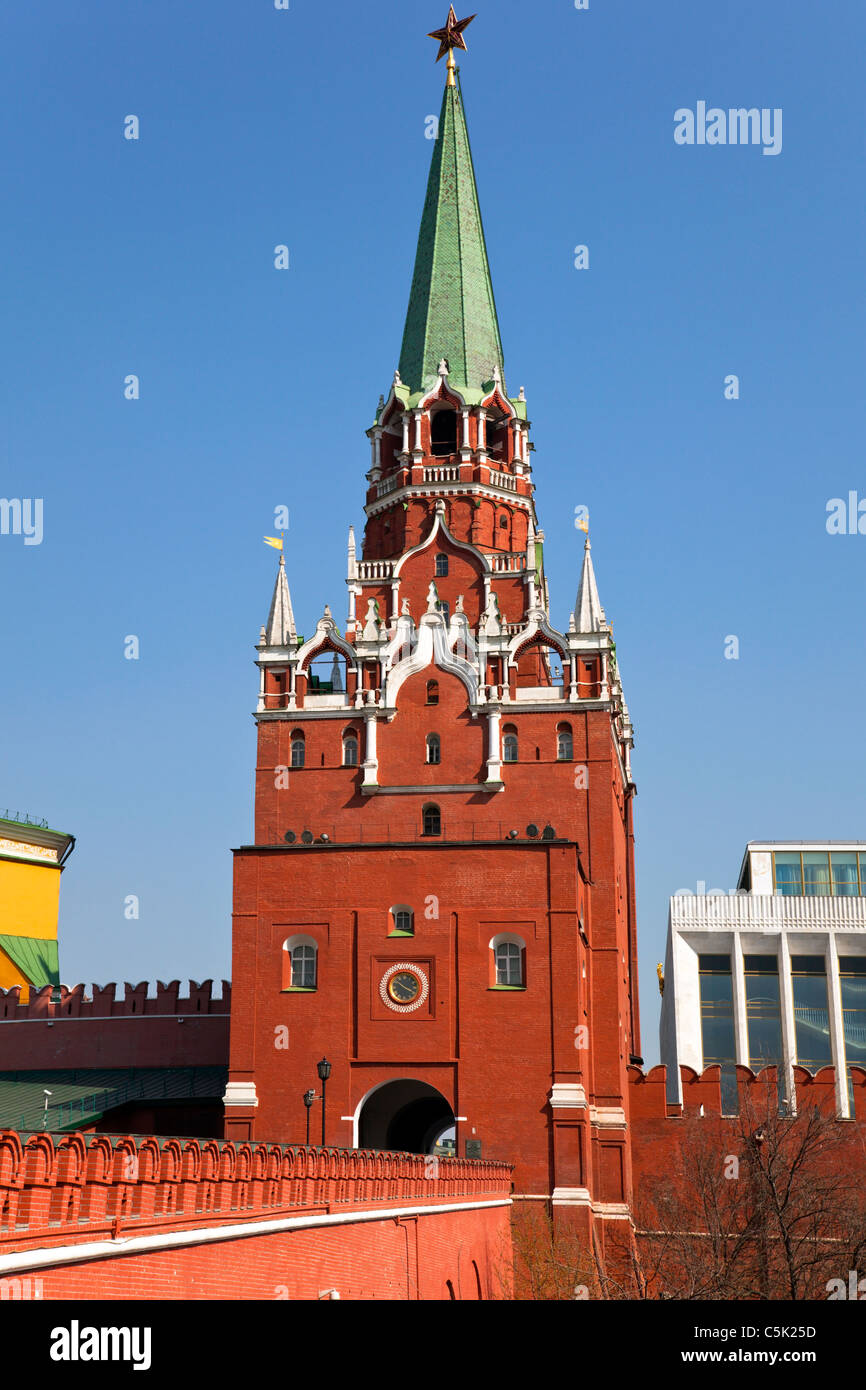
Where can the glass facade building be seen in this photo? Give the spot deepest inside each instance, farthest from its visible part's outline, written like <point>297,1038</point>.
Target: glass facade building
<point>772,973</point>
<point>819,873</point>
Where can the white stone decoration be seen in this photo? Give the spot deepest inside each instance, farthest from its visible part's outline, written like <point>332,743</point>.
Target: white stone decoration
<point>371,622</point>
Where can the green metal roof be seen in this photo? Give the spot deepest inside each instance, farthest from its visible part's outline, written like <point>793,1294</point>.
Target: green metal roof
<point>82,1096</point>
<point>452,312</point>
<point>35,957</point>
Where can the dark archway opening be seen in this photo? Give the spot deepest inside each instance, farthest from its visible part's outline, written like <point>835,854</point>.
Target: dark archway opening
<point>443,433</point>
<point>406,1115</point>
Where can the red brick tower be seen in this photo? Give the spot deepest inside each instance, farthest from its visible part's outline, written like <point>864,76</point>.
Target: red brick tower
<point>440,896</point>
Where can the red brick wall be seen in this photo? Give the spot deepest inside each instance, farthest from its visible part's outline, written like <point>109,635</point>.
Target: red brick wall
<point>407,1258</point>
<point>138,1030</point>
<point>98,1189</point>
<point>657,1127</point>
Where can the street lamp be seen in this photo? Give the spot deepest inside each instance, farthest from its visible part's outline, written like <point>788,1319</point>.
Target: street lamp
<point>309,1097</point>
<point>324,1070</point>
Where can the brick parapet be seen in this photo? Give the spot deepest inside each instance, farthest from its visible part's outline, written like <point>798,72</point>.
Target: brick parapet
<point>60,1002</point>
<point>702,1090</point>
<point>59,1029</point>
<point>58,1190</point>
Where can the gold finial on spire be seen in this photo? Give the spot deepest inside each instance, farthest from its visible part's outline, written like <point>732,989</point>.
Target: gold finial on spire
<point>451,37</point>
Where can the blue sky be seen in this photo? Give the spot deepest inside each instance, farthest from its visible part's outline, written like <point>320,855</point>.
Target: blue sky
<point>306,127</point>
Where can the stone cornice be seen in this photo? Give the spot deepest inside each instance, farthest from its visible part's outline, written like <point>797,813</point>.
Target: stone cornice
<point>401,494</point>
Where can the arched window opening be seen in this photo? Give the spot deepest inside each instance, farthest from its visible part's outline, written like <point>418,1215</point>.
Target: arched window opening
<point>300,955</point>
<point>432,692</point>
<point>304,967</point>
<point>497,436</point>
<point>392,443</point>
<point>509,956</point>
<point>564,743</point>
<point>443,432</point>
<point>350,749</point>
<point>509,744</point>
<point>402,922</point>
<point>503,523</point>
<point>537,664</point>
<point>327,674</point>
<point>432,820</point>
<point>508,964</point>
<point>434,749</point>
<point>299,749</point>
<point>441,566</point>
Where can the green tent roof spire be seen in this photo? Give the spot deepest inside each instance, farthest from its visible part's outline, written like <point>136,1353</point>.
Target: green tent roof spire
<point>452,312</point>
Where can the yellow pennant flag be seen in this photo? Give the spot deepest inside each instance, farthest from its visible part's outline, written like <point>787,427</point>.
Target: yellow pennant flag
<point>275,541</point>
<point>583,524</point>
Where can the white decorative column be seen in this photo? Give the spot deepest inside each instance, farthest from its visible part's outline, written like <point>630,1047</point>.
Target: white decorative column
<point>371,761</point>
<point>494,759</point>
<point>293,686</point>
<point>377,448</point>
<point>518,435</point>
<point>406,422</point>
<point>738,985</point>
<point>573,692</point>
<point>418,451</point>
<point>395,598</point>
<point>261,688</point>
<point>789,1026</point>
<point>837,1028</point>
<point>482,434</point>
<point>465,445</point>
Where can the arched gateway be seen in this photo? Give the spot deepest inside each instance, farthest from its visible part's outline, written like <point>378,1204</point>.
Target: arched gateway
<point>405,1114</point>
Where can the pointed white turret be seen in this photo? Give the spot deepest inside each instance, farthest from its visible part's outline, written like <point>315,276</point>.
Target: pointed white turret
<point>588,612</point>
<point>352,563</point>
<point>280,627</point>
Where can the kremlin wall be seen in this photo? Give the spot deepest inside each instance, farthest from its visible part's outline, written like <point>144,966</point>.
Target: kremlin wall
<point>125,1216</point>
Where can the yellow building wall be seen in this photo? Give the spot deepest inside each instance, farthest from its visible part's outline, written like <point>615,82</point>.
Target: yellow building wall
<point>10,975</point>
<point>29,899</point>
<point>29,906</point>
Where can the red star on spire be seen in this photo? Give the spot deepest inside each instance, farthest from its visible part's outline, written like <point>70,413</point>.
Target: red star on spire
<point>452,35</point>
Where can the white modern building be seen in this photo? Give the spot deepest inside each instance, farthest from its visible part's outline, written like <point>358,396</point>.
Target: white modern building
<point>771,972</point>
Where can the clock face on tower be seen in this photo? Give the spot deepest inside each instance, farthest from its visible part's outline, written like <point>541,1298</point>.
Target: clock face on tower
<point>404,987</point>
